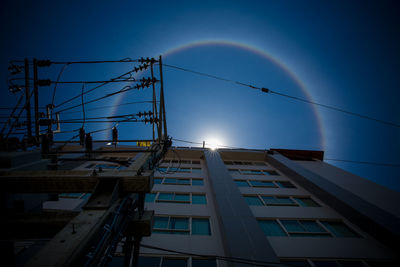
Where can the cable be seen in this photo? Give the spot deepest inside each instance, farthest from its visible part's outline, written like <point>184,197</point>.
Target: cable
<point>231,259</point>
<point>123,90</point>
<point>367,162</point>
<point>103,107</point>
<point>199,143</point>
<point>97,61</point>
<point>109,81</point>
<point>265,90</point>
<point>55,85</point>
<point>94,88</point>
<point>83,106</point>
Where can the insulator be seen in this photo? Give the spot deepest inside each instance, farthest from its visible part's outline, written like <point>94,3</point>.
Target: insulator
<point>145,113</point>
<point>141,68</point>
<point>14,88</point>
<point>145,66</point>
<point>136,69</point>
<point>43,63</point>
<point>156,120</point>
<point>146,121</point>
<point>141,60</point>
<point>115,134</point>
<point>140,114</point>
<point>81,136</point>
<point>147,59</point>
<point>142,85</point>
<point>14,69</point>
<point>150,113</point>
<point>43,82</point>
<point>45,122</point>
<point>88,143</point>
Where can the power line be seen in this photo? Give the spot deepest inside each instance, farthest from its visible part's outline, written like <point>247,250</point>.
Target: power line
<point>223,258</point>
<point>367,162</point>
<point>123,90</point>
<point>103,107</point>
<point>332,159</point>
<point>96,87</point>
<point>266,90</point>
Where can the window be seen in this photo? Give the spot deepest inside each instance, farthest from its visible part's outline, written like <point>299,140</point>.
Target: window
<point>195,161</point>
<point>260,200</point>
<point>150,197</point>
<point>253,201</point>
<point>300,263</point>
<point>196,170</point>
<point>177,181</point>
<point>310,228</point>
<point>304,228</point>
<point>176,197</point>
<point>285,184</point>
<point>270,172</point>
<point>233,171</point>
<point>180,225</point>
<point>104,166</point>
<point>171,225</point>
<point>149,261</point>
<point>327,263</point>
<point>262,184</point>
<point>173,197</point>
<point>271,228</point>
<point>339,229</point>
<point>241,183</point>
<point>199,199</point>
<point>258,163</point>
<point>251,172</point>
<point>306,202</point>
<point>278,201</point>
<point>197,182</point>
<point>200,226</point>
<point>204,263</point>
<point>168,262</point>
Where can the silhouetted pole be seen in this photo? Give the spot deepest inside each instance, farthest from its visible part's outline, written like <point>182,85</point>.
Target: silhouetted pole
<point>162,104</point>
<point>28,99</point>
<point>36,95</point>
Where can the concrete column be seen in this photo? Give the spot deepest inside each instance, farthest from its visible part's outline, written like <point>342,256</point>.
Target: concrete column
<point>242,236</point>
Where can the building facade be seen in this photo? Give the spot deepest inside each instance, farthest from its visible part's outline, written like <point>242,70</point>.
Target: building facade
<point>267,208</point>
<point>272,207</point>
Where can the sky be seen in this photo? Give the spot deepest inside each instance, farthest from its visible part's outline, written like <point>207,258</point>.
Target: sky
<point>339,53</point>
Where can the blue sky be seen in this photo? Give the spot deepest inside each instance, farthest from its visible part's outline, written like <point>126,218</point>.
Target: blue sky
<point>343,54</point>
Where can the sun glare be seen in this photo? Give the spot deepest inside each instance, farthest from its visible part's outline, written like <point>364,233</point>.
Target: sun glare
<point>213,143</point>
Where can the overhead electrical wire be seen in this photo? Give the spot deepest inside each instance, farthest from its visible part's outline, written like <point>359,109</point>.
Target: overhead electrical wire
<point>223,258</point>
<point>332,159</point>
<point>123,90</point>
<point>94,88</point>
<point>366,162</point>
<point>266,90</point>
<point>113,106</point>
<point>55,85</point>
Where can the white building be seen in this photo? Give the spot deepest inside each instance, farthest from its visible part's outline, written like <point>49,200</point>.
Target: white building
<point>276,206</point>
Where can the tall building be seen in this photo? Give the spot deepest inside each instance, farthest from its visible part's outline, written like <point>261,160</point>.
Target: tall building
<point>275,206</point>
<point>228,207</point>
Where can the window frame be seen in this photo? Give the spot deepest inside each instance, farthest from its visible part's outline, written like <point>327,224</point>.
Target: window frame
<point>189,231</point>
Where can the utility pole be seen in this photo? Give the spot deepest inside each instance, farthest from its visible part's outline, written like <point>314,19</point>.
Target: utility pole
<point>36,95</point>
<point>28,99</point>
<point>162,103</point>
